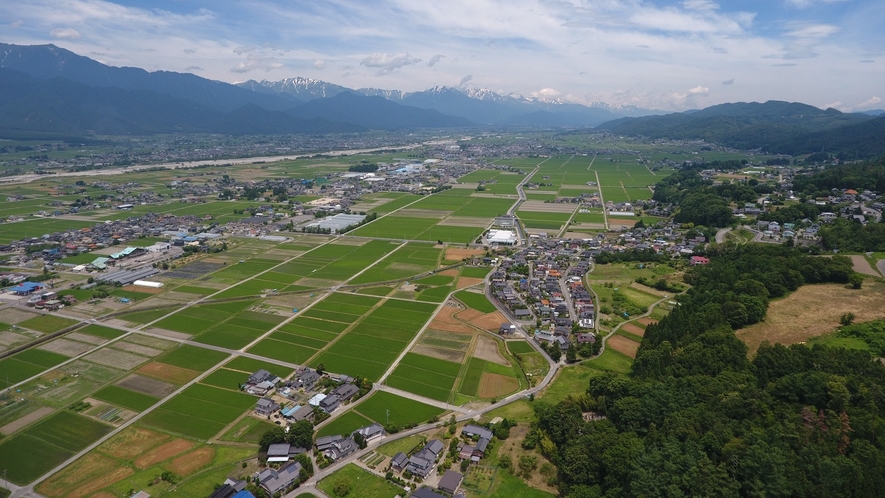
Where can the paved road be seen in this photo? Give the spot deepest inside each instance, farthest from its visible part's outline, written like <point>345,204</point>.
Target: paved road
<point>881,266</point>
<point>720,235</point>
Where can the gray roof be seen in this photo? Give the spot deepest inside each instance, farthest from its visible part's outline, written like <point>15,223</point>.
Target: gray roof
<point>450,481</point>
<point>475,430</point>
<point>279,449</point>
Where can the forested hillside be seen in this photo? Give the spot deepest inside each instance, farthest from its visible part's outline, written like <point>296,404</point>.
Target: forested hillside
<point>696,417</point>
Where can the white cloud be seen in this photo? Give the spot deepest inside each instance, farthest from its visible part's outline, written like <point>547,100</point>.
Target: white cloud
<point>387,63</point>
<point>433,60</point>
<point>801,4</point>
<point>868,104</point>
<point>259,62</point>
<point>699,90</point>
<point>806,30</point>
<point>546,94</point>
<point>465,80</point>
<point>319,64</point>
<point>64,33</point>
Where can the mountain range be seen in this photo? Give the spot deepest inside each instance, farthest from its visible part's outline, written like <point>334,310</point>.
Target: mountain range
<point>47,91</point>
<point>777,127</point>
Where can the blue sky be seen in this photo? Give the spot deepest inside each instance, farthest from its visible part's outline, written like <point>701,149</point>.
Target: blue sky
<point>655,54</point>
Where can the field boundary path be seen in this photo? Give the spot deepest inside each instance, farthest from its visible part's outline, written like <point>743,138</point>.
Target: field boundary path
<point>601,201</point>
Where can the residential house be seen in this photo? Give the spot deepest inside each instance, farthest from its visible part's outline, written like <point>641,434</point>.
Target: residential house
<point>426,493</point>
<point>330,403</point>
<point>283,452</point>
<point>450,482</point>
<point>307,379</point>
<point>345,391</point>
<point>422,463</point>
<point>371,432</point>
<point>266,407</point>
<point>337,446</point>
<point>274,481</point>
<point>399,461</point>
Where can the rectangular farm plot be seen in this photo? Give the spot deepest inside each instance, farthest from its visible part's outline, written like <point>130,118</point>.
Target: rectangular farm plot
<point>283,351</point>
<point>99,331</point>
<point>47,444</point>
<point>402,411</point>
<point>193,358</point>
<point>321,325</point>
<point>125,398</point>
<point>344,424</point>
<point>312,333</point>
<point>225,379</point>
<point>200,411</point>
<point>425,376</point>
<point>28,363</point>
<point>47,323</point>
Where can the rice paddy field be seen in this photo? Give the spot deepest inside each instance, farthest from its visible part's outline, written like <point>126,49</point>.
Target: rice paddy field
<point>352,304</point>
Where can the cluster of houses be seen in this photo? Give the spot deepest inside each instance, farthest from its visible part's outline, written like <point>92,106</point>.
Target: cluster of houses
<point>282,398</point>
<point>337,446</point>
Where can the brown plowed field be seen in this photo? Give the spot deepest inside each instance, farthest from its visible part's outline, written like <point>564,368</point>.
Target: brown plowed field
<point>449,273</point>
<point>66,347</point>
<point>493,385</point>
<point>91,466</point>
<point>171,373</point>
<point>467,282</point>
<point>186,464</point>
<point>26,420</point>
<point>613,220</point>
<point>490,321</point>
<point>163,452</point>
<point>132,442</point>
<point>647,321</point>
<point>633,329</point>
<point>487,349</point>
<point>469,315</point>
<point>457,254</point>
<point>104,481</point>
<point>445,320</point>
<point>623,345</point>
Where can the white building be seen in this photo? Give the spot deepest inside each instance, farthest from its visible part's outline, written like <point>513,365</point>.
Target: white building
<point>502,237</point>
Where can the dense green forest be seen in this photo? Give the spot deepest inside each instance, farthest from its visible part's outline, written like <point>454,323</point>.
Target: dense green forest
<point>696,417</point>
<point>857,176</point>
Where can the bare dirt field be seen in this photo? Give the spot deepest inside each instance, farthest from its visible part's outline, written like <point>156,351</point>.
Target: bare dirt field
<point>814,310</point>
<point>132,442</point>
<point>104,481</point>
<point>15,315</point>
<point>188,463</point>
<point>66,347</point>
<point>445,320</point>
<point>27,419</point>
<point>115,359</point>
<point>487,349</point>
<point>91,466</point>
<point>633,329</point>
<point>493,385</point>
<point>169,333</point>
<point>467,282</point>
<point>163,452</point>
<point>136,348</point>
<point>171,373</point>
<point>449,273</point>
<point>489,321</point>
<point>547,207</point>
<point>647,321</point>
<point>464,221</point>
<point>146,385</point>
<point>104,494</point>
<point>861,265</point>
<point>90,339</point>
<point>614,221</point>
<point>623,345</point>
<point>459,253</point>
<point>149,341</point>
<point>9,338</point>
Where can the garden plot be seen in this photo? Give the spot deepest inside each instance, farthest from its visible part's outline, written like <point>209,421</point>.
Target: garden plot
<point>136,348</point>
<point>88,338</point>
<point>487,349</point>
<point>10,339</point>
